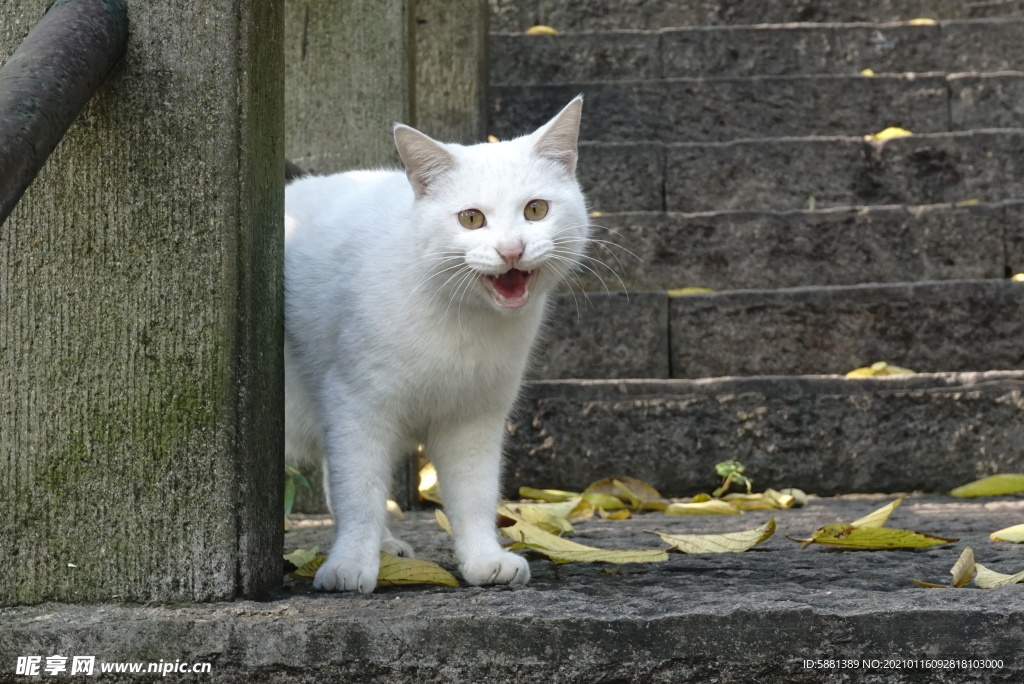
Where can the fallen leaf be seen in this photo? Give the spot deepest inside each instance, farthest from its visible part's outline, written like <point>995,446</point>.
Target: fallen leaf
<point>1014,534</point>
<point>888,133</point>
<point>442,520</point>
<point>563,550</point>
<point>844,535</point>
<point>867,72</point>
<point>596,214</point>
<point>534,514</point>
<point>993,485</point>
<point>395,510</point>
<point>922,21</point>
<point>729,542</point>
<point>398,571</point>
<point>712,507</point>
<point>767,500</point>
<point>621,514</point>
<point>493,139</point>
<point>541,31</point>
<point>428,488</point>
<point>608,502</point>
<point>799,496</point>
<point>1018,278</point>
<point>309,568</point>
<point>684,291</point>
<point>962,572</point>
<point>549,495</point>
<point>989,579</point>
<point>879,368</point>
<point>300,557</point>
<point>877,517</point>
<point>966,203</point>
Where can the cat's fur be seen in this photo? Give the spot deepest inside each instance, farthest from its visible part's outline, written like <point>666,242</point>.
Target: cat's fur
<point>395,338</point>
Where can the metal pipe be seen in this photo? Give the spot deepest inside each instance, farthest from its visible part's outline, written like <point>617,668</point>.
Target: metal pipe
<point>47,81</point>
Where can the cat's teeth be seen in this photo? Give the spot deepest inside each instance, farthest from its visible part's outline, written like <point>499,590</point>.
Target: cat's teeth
<point>510,290</point>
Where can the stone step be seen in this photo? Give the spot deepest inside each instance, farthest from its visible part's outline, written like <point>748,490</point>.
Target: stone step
<point>782,174</point>
<point>843,246</point>
<point>929,327</point>
<point>824,434</point>
<point>765,50</point>
<point>762,613</point>
<point>590,15</point>
<point>716,110</point>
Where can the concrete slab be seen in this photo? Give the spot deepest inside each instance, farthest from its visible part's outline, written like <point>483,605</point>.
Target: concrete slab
<point>591,15</point>
<point>960,325</point>
<point>987,101</point>
<point>605,335</point>
<point>824,434</point>
<point>715,110</point>
<point>841,246</point>
<point>694,618</point>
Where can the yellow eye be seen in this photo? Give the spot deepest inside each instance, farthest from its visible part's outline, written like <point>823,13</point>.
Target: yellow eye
<point>472,219</point>
<point>535,210</point>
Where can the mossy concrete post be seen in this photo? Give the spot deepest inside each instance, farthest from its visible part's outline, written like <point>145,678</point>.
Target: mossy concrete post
<point>451,69</point>
<point>354,68</point>
<point>140,330</point>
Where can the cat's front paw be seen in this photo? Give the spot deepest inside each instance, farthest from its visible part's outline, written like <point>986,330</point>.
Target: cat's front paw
<point>397,547</point>
<point>503,568</point>
<point>347,574</point>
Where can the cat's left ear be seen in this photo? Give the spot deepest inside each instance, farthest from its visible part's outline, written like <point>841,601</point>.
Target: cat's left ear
<point>556,140</point>
<point>425,159</point>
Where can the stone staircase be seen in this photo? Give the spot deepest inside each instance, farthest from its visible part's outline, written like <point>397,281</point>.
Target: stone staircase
<point>723,146</point>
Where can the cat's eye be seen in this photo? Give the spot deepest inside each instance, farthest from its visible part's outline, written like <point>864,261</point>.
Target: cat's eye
<point>535,210</point>
<point>472,219</point>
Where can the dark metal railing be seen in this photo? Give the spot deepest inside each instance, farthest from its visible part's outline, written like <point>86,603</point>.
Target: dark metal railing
<point>47,81</point>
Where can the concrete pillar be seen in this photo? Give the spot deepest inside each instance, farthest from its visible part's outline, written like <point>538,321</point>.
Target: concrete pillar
<point>140,322</point>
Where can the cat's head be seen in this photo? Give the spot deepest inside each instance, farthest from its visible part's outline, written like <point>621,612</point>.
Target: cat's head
<point>500,224</point>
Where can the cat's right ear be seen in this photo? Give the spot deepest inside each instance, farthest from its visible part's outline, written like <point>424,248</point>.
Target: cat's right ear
<point>425,159</point>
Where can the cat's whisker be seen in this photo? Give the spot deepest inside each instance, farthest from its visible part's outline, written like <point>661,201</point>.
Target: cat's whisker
<point>582,265</point>
<point>562,276</point>
<point>428,279</point>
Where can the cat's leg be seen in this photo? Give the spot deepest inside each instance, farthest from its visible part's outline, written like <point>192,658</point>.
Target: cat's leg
<point>468,462</point>
<point>360,450</point>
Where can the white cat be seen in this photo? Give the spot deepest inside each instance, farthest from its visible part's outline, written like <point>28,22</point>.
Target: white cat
<point>411,303</point>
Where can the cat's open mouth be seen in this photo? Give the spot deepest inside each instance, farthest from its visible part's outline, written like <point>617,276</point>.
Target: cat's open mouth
<point>511,289</point>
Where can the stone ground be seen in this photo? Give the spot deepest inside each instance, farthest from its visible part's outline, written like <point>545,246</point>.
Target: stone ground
<point>750,617</point>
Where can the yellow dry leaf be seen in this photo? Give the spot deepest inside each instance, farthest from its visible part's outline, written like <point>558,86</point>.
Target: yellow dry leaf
<point>847,536</point>
<point>993,485</point>
<point>888,134</point>
<point>395,510</point>
<point>535,514</point>
<point>621,514</point>
<point>962,571</point>
<point>640,495</point>
<point>867,72</point>
<point>605,501</point>
<point>701,498</point>
<point>583,510</point>
<point>713,507</point>
<point>922,21</point>
<point>564,550</point>
<point>300,557</point>
<point>596,214</point>
<point>1018,278</point>
<point>428,487</point>
<point>540,30</point>
<point>989,579</point>
<point>966,203</point>
<point>767,500</point>
<point>729,542</point>
<point>879,368</point>
<point>493,139</point>
<point>397,571</point>
<point>877,517</point>
<point>799,496</point>
<point>549,495</point>
<point>442,520</point>
<point>1014,534</point>
<point>309,568</point>
<point>684,291</point>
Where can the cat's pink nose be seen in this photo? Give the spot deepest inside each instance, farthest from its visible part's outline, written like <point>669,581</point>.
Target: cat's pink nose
<point>511,253</point>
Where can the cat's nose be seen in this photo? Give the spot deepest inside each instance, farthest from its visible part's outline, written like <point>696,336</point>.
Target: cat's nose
<point>510,252</point>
